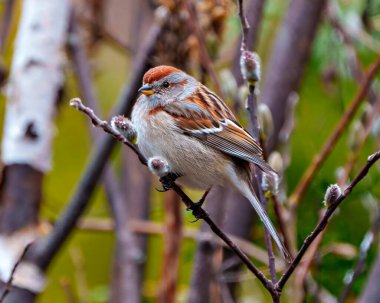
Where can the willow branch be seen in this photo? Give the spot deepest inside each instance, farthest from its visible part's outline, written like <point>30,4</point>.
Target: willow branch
<point>244,25</point>
<point>255,131</point>
<point>329,145</point>
<point>324,221</point>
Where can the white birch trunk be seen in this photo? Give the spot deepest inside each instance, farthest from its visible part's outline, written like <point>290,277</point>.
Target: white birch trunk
<point>36,76</point>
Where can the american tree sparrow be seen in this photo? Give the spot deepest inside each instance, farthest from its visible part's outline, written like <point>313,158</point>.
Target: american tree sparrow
<point>185,128</point>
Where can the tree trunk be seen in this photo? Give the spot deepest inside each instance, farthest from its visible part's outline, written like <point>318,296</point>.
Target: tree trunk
<point>35,80</point>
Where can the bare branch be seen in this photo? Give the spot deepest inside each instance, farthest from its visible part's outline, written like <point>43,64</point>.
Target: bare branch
<point>244,26</point>
<point>323,223</point>
<point>365,245</point>
<point>329,145</point>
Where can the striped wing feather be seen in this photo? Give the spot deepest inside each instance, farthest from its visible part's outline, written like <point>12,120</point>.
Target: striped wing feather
<point>218,130</point>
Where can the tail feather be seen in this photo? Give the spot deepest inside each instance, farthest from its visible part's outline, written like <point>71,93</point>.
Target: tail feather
<point>250,195</point>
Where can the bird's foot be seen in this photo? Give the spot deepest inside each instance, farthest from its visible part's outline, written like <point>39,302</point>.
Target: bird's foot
<point>167,181</point>
<point>196,208</point>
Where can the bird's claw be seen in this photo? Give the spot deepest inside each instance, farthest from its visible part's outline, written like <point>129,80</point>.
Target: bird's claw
<point>196,208</point>
<point>167,181</point>
<point>197,211</point>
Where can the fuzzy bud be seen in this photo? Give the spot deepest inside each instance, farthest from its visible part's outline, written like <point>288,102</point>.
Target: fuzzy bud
<point>376,128</point>
<point>355,135</point>
<point>229,87</point>
<point>158,166</point>
<point>125,127</point>
<point>161,14</point>
<point>333,192</point>
<point>265,120</point>
<point>242,94</point>
<point>276,162</point>
<point>250,67</point>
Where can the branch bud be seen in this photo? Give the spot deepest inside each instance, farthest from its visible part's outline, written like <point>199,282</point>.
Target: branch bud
<point>355,135</point>
<point>229,88</point>
<point>265,120</point>
<point>250,67</point>
<point>276,162</point>
<point>125,127</point>
<point>158,166</point>
<point>333,192</point>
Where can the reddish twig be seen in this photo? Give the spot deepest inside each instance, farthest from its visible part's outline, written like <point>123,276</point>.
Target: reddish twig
<point>321,157</point>
<point>323,223</point>
<point>350,163</point>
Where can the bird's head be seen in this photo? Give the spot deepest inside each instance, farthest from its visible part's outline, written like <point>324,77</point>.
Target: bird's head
<point>164,84</point>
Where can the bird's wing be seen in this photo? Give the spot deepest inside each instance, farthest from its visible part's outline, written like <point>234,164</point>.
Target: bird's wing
<point>217,129</point>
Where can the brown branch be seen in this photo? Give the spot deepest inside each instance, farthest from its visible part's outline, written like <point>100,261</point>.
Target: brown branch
<point>350,163</point>
<point>8,285</point>
<point>329,145</point>
<point>244,26</point>
<point>116,199</point>
<point>255,131</point>
<point>303,268</point>
<point>206,61</point>
<point>198,212</point>
<point>153,228</point>
<point>323,223</point>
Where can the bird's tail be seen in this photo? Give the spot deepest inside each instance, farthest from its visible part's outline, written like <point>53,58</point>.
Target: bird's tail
<point>249,193</point>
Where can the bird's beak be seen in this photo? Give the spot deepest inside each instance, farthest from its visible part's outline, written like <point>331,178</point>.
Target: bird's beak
<point>146,90</point>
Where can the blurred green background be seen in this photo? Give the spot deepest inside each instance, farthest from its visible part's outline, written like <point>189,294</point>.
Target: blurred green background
<point>85,264</point>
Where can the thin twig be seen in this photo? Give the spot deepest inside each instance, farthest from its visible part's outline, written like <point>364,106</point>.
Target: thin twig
<point>360,263</point>
<point>201,213</point>
<point>350,163</point>
<point>148,227</point>
<point>255,131</point>
<point>244,26</point>
<point>204,55</point>
<point>329,145</point>
<point>323,223</point>
<point>8,285</point>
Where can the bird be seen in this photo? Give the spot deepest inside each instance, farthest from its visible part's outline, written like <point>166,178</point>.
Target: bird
<point>185,129</point>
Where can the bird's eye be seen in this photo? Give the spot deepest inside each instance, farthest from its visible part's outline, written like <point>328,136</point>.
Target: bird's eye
<point>165,84</point>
